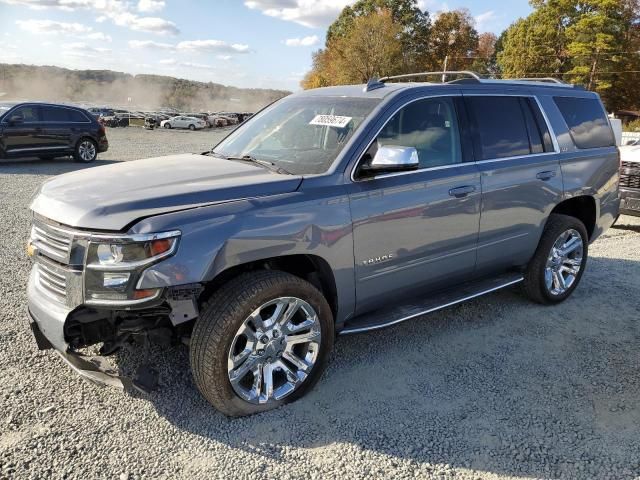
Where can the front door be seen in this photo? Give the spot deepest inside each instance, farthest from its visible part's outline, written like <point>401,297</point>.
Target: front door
<point>416,231</point>
<point>22,132</point>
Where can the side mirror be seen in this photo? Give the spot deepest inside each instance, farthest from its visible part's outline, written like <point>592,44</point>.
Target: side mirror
<point>15,119</point>
<point>392,158</point>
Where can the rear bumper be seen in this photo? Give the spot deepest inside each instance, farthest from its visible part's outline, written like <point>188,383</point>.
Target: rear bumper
<point>103,145</point>
<point>630,202</point>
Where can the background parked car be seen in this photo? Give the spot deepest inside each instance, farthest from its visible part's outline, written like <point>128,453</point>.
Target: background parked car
<point>630,180</point>
<point>191,123</point>
<point>48,130</point>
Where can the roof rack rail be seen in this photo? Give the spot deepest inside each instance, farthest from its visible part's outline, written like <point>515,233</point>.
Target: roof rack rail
<point>444,74</point>
<point>537,79</point>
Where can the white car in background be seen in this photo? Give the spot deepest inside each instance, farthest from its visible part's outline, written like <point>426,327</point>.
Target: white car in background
<point>180,121</point>
<point>630,180</point>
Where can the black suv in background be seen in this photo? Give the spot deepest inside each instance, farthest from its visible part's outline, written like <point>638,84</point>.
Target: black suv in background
<point>47,131</point>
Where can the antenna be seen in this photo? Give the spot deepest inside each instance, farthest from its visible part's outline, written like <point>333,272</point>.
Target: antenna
<point>373,84</point>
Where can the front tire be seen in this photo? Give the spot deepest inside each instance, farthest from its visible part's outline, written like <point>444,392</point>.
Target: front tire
<point>167,125</point>
<point>192,127</point>
<point>559,262</point>
<point>262,340</point>
<point>86,151</point>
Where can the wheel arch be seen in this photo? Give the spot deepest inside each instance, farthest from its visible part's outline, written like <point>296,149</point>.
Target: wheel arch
<point>313,268</point>
<point>583,208</point>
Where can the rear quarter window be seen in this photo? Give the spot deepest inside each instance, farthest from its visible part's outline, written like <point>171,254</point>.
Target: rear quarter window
<point>587,122</point>
<point>77,116</point>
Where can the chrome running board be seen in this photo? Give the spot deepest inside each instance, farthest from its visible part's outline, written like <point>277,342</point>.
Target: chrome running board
<point>391,316</point>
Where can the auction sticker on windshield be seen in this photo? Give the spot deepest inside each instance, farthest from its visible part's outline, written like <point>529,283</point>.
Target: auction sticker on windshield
<point>330,121</point>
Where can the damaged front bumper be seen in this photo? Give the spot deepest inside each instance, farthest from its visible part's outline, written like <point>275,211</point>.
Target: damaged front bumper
<point>95,369</point>
<point>47,320</point>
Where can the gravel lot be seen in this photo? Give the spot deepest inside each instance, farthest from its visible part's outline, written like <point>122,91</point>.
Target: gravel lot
<point>495,388</point>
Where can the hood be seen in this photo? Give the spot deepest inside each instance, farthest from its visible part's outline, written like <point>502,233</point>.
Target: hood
<point>113,196</point>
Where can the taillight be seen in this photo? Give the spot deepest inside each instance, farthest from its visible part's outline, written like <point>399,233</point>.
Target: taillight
<point>102,130</point>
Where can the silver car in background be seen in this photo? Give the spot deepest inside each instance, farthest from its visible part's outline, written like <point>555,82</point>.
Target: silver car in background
<point>192,123</point>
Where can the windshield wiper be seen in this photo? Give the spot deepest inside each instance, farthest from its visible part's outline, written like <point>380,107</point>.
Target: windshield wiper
<point>264,163</point>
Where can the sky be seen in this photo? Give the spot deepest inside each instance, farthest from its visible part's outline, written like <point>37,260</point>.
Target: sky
<point>243,43</point>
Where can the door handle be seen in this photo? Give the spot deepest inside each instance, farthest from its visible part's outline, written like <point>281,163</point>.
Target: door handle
<point>544,176</point>
<point>460,192</point>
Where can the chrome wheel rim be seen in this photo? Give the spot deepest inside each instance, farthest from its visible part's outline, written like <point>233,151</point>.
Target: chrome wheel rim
<point>274,350</point>
<point>564,262</point>
<point>87,151</point>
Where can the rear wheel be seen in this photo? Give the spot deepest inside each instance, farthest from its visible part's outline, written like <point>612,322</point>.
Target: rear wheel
<point>559,262</point>
<point>167,125</point>
<point>192,127</point>
<point>86,151</point>
<point>261,341</point>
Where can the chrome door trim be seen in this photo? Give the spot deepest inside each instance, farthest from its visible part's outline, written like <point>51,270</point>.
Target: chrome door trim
<point>35,148</point>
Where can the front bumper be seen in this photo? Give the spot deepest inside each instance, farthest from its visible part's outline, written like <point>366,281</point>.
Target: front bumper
<point>630,202</point>
<point>47,319</point>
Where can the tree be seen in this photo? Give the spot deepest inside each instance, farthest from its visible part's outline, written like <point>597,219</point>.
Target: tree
<point>414,26</point>
<point>485,61</point>
<point>584,41</point>
<point>453,35</point>
<point>371,48</point>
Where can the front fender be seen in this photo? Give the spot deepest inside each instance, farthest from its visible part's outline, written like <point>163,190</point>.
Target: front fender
<point>217,238</point>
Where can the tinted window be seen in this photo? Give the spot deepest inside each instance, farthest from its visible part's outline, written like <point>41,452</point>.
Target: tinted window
<point>535,135</point>
<point>55,114</point>
<point>77,116</point>
<point>430,126</point>
<point>542,125</point>
<point>501,130</point>
<point>587,122</point>
<point>27,113</point>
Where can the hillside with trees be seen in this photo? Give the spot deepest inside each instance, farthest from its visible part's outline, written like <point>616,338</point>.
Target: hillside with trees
<point>595,43</point>
<point>105,87</point>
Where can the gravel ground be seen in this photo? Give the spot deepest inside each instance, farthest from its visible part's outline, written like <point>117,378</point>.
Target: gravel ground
<point>495,388</point>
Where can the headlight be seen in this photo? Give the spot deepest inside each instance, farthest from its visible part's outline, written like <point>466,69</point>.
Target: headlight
<point>114,264</point>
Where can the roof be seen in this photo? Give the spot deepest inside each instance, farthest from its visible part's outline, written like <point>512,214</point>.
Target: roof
<point>383,90</point>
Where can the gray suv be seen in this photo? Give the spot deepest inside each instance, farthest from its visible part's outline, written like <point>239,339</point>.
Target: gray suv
<point>331,212</point>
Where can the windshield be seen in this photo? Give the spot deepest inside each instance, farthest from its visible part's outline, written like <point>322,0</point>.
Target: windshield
<point>301,135</point>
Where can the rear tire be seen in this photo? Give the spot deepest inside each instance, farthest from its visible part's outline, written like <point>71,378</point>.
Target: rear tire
<point>192,127</point>
<point>86,151</point>
<point>559,262</point>
<point>167,125</point>
<point>233,334</point>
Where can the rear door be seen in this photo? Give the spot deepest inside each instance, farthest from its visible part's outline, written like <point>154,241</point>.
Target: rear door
<point>57,126</point>
<point>518,160</point>
<point>24,136</point>
<point>416,230</point>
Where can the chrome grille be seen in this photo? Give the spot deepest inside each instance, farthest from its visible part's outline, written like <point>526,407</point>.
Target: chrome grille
<point>52,279</point>
<point>630,175</point>
<point>51,241</point>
